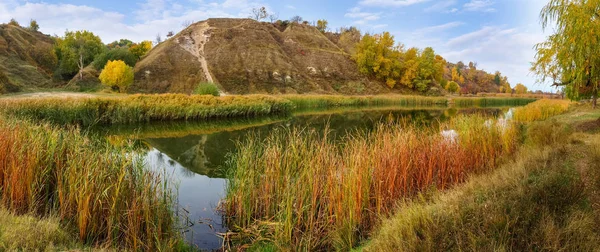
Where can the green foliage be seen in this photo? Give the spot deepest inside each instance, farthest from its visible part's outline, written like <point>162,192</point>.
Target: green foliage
<point>207,88</point>
<point>571,55</point>
<point>33,25</point>
<point>75,51</point>
<point>118,53</point>
<point>452,87</point>
<point>117,75</point>
<point>126,43</point>
<point>322,25</point>
<point>139,50</point>
<point>45,56</point>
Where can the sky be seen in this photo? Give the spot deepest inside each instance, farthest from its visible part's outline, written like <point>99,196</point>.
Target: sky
<point>498,35</point>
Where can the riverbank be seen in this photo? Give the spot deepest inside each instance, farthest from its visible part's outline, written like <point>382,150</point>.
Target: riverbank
<point>546,198</point>
<point>131,109</point>
<point>342,191</point>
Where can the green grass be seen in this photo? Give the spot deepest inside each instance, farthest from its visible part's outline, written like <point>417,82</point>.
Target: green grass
<point>207,89</point>
<point>329,101</point>
<point>142,108</point>
<point>487,102</point>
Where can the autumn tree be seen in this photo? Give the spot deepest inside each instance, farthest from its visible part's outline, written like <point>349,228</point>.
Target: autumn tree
<point>571,56</point>
<point>121,53</point>
<point>520,89</point>
<point>452,87</point>
<point>117,75</point>
<point>322,25</point>
<point>259,14</point>
<point>78,49</point>
<point>377,55</point>
<point>33,25</point>
<point>120,43</point>
<point>139,50</point>
<point>410,67</point>
<point>13,22</point>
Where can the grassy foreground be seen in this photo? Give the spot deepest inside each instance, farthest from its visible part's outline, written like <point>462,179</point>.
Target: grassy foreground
<point>546,199</point>
<point>297,189</point>
<point>100,192</point>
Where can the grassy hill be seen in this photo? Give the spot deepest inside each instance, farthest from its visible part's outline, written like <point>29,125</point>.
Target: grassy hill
<point>246,56</point>
<point>26,59</point>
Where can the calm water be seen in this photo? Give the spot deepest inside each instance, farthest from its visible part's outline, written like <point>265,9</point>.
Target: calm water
<point>194,154</point>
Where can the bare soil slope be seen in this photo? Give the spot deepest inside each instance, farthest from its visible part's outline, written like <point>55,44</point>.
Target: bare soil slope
<point>245,56</point>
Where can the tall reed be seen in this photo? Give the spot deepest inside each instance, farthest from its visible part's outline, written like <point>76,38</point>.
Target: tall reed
<point>313,194</point>
<point>487,102</point>
<point>143,108</point>
<point>541,110</point>
<point>103,192</point>
<point>327,101</point>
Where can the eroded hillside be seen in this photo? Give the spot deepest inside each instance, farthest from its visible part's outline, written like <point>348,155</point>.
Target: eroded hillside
<point>245,56</point>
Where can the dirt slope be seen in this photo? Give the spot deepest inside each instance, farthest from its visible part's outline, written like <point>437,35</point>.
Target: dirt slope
<point>245,56</point>
<point>26,59</point>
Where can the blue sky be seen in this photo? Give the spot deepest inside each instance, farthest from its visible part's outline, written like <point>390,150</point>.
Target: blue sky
<point>496,34</point>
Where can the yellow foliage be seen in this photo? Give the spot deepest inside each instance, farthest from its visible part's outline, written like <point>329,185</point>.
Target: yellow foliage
<point>139,50</point>
<point>117,74</point>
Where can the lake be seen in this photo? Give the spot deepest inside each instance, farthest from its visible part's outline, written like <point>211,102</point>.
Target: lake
<point>193,154</point>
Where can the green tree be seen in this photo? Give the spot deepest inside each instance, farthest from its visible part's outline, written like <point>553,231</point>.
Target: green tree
<point>117,75</point>
<point>78,49</point>
<point>33,25</point>
<point>114,54</point>
<point>571,56</point>
<point>121,43</point>
<point>139,50</point>
<point>452,87</point>
<point>322,25</point>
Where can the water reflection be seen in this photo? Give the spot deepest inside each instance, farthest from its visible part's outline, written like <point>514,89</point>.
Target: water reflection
<point>195,152</point>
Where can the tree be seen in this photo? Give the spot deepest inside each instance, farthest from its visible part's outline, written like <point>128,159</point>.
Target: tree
<point>13,22</point>
<point>497,78</point>
<point>186,23</point>
<point>259,14</point>
<point>378,56</point>
<point>33,25</point>
<point>121,43</point>
<point>139,50</point>
<point>117,75</point>
<point>296,19</point>
<point>452,87</point>
<point>115,54</point>
<point>158,39</point>
<point>322,25</point>
<point>571,56</point>
<point>520,89</point>
<point>274,17</point>
<point>79,48</point>
<point>410,67</point>
<point>170,34</point>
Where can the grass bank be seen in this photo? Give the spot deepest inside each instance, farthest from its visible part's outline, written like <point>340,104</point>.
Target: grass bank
<point>298,189</point>
<point>100,192</point>
<point>142,108</point>
<point>331,101</point>
<point>546,199</point>
<point>490,102</point>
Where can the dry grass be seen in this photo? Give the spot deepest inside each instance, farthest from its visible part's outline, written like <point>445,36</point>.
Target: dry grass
<point>304,192</point>
<point>103,192</point>
<point>541,110</point>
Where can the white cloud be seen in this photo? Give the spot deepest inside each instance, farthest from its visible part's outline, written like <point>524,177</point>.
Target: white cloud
<point>362,17</point>
<point>442,6</point>
<point>152,17</point>
<point>479,5</point>
<point>440,28</point>
<point>391,3</point>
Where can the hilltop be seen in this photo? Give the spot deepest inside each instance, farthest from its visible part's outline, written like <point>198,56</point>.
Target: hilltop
<point>247,56</point>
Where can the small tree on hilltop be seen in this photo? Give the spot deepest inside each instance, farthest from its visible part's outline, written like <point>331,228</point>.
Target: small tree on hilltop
<point>322,25</point>
<point>33,25</point>
<point>274,17</point>
<point>117,75</point>
<point>13,22</point>
<point>259,14</point>
<point>139,50</point>
<point>296,19</point>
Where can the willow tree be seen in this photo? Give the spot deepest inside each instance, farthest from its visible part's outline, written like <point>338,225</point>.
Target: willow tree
<point>571,56</point>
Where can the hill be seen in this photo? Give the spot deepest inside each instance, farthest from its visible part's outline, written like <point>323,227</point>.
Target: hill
<point>245,56</point>
<point>26,59</point>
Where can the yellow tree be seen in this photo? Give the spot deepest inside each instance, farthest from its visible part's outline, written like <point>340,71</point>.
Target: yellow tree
<point>139,50</point>
<point>520,89</point>
<point>411,67</point>
<point>117,75</point>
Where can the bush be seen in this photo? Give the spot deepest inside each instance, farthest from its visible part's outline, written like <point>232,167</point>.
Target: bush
<point>434,92</point>
<point>207,88</point>
<point>114,54</point>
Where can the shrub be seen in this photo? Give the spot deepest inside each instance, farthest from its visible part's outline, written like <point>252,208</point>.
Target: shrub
<point>207,88</point>
<point>452,87</point>
<point>13,22</point>
<point>434,92</point>
<point>114,54</point>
